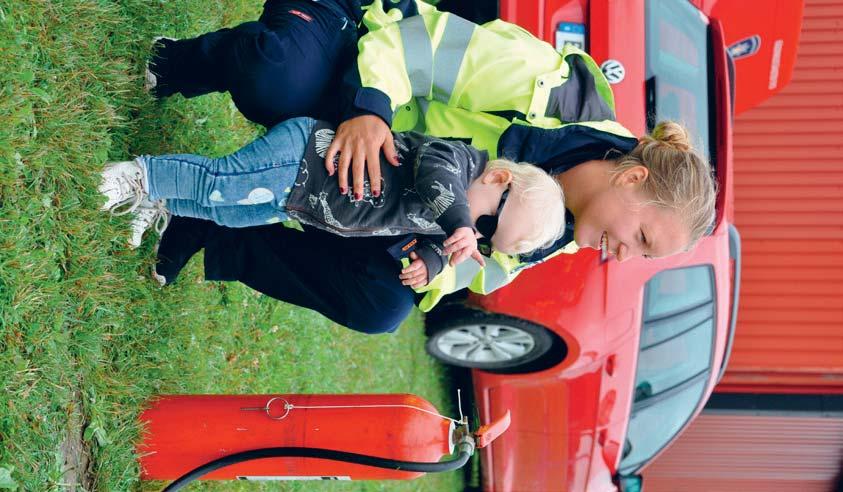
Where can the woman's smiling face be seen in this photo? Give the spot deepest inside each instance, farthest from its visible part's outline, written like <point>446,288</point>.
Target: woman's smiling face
<point>620,219</point>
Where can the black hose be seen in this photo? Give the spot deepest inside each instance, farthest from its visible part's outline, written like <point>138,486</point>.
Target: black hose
<point>328,454</point>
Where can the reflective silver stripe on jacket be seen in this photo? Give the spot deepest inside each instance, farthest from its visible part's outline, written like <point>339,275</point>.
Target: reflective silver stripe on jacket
<point>423,105</point>
<point>494,276</point>
<point>418,54</point>
<point>449,56</point>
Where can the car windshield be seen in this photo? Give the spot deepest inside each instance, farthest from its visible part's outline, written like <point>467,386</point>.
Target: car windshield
<point>677,68</point>
<point>675,358</point>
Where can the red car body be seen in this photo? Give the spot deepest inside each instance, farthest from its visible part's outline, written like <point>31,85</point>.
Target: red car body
<point>570,422</point>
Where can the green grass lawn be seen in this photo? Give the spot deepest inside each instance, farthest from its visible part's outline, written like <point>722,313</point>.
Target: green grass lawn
<point>85,336</point>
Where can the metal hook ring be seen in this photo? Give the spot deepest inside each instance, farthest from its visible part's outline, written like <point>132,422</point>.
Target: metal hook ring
<point>287,408</point>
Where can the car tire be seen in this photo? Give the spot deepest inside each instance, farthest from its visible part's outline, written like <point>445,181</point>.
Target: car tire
<point>493,342</point>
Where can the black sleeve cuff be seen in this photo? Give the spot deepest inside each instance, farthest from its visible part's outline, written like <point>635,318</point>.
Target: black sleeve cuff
<point>370,101</point>
<point>433,259</point>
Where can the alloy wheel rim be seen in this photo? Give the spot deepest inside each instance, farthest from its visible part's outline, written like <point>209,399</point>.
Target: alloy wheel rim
<point>485,343</point>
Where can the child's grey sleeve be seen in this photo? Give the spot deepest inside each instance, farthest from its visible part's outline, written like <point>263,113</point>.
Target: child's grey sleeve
<point>440,182</point>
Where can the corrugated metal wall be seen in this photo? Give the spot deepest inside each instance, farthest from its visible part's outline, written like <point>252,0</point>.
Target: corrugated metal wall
<point>789,211</point>
<point>742,453</point>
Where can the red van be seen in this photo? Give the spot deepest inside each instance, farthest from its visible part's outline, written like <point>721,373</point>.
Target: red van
<point>603,364</point>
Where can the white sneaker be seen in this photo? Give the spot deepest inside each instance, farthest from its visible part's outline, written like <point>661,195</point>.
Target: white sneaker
<point>123,185</point>
<point>148,214</point>
<point>150,80</point>
<point>160,279</point>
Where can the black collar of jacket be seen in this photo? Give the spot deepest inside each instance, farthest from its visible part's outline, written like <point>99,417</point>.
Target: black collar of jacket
<point>559,149</point>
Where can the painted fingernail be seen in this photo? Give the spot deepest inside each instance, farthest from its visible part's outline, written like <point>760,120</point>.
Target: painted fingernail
<point>358,196</point>
<point>343,190</point>
<point>377,193</point>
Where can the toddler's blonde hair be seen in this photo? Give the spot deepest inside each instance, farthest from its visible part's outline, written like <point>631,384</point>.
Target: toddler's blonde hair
<point>679,178</point>
<point>539,192</point>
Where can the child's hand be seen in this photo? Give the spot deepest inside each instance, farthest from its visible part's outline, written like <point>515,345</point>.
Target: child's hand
<point>463,244</point>
<point>415,275</point>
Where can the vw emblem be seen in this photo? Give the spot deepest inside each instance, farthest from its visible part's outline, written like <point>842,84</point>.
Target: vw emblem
<point>613,70</point>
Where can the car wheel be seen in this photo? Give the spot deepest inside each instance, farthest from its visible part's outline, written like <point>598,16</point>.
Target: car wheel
<point>494,343</point>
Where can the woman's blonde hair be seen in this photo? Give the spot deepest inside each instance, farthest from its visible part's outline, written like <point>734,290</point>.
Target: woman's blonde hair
<point>679,177</point>
<point>539,192</point>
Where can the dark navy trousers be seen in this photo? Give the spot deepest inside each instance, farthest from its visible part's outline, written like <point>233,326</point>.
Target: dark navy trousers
<point>287,63</point>
<point>352,281</point>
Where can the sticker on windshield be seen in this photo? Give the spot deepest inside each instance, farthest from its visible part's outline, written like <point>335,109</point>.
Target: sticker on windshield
<point>745,47</point>
<point>570,33</point>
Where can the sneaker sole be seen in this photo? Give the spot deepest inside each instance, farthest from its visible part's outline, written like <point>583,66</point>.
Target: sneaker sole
<point>150,80</point>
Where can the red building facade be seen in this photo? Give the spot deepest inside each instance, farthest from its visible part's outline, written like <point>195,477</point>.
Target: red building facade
<point>789,211</point>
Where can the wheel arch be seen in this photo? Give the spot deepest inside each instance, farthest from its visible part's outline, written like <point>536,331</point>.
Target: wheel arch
<point>455,313</point>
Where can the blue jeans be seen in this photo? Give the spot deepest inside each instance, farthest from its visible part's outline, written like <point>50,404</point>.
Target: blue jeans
<point>247,188</point>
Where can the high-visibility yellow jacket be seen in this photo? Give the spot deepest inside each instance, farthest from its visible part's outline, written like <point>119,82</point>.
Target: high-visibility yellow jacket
<point>495,85</point>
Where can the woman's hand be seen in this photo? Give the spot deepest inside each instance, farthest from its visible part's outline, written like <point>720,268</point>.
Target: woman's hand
<point>415,275</point>
<point>358,142</point>
<point>461,245</point>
